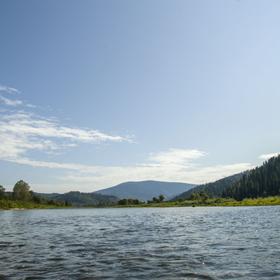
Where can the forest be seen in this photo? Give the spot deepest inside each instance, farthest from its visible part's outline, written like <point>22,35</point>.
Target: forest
<point>262,181</point>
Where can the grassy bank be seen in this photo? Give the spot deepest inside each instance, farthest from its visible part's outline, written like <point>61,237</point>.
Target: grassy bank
<point>6,204</point>
<point>262,201</point>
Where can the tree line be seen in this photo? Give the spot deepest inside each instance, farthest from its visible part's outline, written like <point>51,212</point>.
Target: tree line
<point>22,192</point>
<point>262,181</point>
<point>132,201</point>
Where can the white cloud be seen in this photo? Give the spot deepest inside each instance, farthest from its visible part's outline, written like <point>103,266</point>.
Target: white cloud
<point>28,105</point>
<point>32,125</point>
<point>176,156</point>
<point>268,156</point>
<point>52,165</point>
<point>10,102</point>
<point>93,177</point>
<point>22,132</point>
<point>109,176</point>
<point>8,89</point>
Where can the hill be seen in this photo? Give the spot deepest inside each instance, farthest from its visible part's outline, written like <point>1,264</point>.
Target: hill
<point>262,181</point>
<point>146,190</point>
<point>214,189</point>
<point>81,199</point>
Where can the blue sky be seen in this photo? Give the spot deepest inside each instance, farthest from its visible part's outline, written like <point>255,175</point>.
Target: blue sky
<point>94,93</point>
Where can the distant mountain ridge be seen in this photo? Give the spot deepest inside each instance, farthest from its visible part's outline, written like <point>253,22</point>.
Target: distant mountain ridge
<point>146,190</point>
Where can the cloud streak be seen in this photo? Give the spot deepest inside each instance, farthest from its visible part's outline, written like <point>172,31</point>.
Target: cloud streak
<point>108,176</point>
<point>176,156</point>
<point>10,102</point>
<point>22,132</point>
<point>94,177</point>
<point>8,89</point>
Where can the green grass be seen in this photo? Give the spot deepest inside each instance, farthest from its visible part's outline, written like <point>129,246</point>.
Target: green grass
<point>262,201</point>
<point>6,204</point>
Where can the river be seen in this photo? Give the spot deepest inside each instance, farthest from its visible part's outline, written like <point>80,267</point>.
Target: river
<point>141,243</point>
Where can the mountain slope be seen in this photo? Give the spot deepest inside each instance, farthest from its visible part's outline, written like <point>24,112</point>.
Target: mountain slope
<point>214,189</point>
<point>146,190</point>
<point>81,199</point>
<point>260,182</point>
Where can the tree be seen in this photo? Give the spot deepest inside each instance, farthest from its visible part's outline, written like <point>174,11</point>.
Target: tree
<point>123,202</point>
<point>155,200</point>
<point>21,191</point>
<point>161,198</point>
<point>2,191</point>
<point>35,198</point>
<point>129,201</point>
<point>203,196</point>
<point>194,196</point>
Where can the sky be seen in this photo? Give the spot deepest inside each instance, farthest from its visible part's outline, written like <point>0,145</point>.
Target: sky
<point>98,92</point>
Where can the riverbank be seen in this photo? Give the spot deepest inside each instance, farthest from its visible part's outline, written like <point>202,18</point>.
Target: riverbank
<point>262,201</point>
<point>214,202</point>
<point>6,204</point>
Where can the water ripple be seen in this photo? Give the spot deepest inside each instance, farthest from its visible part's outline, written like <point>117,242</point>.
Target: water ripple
<point>173,243</point>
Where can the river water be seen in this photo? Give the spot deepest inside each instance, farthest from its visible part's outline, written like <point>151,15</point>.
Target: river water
<point>141,243</point>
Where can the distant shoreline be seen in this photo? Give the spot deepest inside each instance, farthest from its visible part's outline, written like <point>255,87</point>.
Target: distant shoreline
<point>215,202</point>
<point>17,205</point>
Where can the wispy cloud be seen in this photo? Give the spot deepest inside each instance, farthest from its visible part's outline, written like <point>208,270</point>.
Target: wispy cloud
<point>10,102</point>
<point>176,156</point>
<point>93,177</point>
<point>268,156</point>
<point>22,132</point>
<point>102,176</point>
<point>52,165</point>
<point>8,89</point>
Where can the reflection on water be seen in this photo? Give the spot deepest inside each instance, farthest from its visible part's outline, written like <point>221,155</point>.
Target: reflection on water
<point>143,243</point>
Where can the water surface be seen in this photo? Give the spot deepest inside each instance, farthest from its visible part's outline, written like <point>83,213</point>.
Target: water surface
<point>141,243</point>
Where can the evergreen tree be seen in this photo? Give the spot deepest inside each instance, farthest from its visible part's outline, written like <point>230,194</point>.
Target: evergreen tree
<point>2,191</point>
<point>260,182</point>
